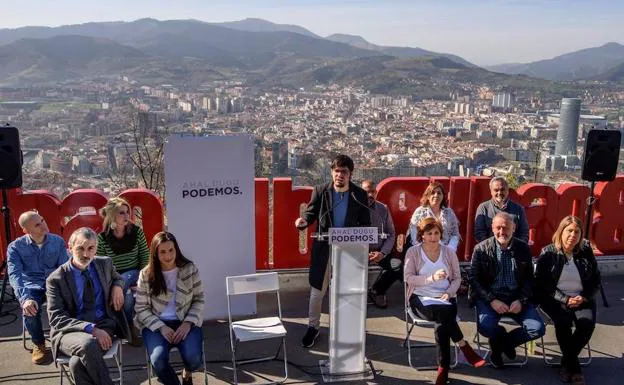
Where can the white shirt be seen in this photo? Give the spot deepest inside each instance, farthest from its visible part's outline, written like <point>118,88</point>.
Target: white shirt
<point>436,288</point>
<point>171,278</point>
<point>570,280</point>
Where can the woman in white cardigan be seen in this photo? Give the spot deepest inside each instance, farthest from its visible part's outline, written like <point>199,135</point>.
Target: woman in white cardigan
<point>434,204</point>
<point>169,309</point>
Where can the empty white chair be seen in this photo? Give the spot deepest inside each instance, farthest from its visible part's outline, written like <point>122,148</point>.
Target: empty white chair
<point>114,353</point>
<point>255,329</point>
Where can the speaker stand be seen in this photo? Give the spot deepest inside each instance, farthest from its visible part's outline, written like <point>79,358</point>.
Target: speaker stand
<point>588,221</point>
<point>4,268</point>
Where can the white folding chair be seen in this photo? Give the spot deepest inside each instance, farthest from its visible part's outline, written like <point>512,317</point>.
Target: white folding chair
<point>255,329</point>
<point>114,353</point>
<point>174,349</point>
<point>412,319</point>
<point>508,321</point>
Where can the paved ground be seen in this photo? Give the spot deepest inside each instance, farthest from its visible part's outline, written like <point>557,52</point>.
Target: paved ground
<point>386,329</point>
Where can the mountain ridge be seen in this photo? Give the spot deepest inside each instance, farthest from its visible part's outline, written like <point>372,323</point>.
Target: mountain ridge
<point>586,63</point>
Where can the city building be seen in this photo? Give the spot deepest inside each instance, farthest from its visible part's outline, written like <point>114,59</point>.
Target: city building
<point>502,101</point>
<point>567,134</point>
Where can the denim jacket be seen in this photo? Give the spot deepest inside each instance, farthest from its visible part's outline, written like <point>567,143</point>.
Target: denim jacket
<point>29,266</point>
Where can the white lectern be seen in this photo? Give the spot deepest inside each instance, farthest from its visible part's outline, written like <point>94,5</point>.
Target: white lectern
<point>348,289</point>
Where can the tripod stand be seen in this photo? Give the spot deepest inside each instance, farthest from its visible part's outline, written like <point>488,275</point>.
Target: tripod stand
<point>7,233</point>
<point>588,221</point>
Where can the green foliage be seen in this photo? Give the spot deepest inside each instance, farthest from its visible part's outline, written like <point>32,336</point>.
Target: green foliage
<point>513,181</point>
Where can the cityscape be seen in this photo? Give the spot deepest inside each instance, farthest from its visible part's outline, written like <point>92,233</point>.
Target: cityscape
<point>89,133</point>
<point>449,145</point>
<point>93,101</point>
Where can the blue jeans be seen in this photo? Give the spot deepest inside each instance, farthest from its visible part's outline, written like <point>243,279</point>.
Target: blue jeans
<point>531,325</point>
<point>33,324</point>
<point>158,350</point>
<point>131,278</point>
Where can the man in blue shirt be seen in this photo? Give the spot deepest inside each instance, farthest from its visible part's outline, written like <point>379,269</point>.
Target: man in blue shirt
<point>85,296</point>
<point>30,259</point>
<point>339,203</point>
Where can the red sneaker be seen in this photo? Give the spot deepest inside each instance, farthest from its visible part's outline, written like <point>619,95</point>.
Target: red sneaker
<point>472,357</point>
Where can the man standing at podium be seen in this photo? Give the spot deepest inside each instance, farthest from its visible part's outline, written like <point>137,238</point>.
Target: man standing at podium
<point>339,203</point>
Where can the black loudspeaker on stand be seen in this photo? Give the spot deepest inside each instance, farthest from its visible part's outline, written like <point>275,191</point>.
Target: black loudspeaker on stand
<point>10,177</point>
<point>600,162</point>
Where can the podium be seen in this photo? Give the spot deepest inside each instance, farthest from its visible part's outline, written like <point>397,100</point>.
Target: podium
<point>348,291</point>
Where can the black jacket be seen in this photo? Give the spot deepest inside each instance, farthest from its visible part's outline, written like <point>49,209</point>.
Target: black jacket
<point>320,210</point>
<point>549,267</point>
<point>484,268</point>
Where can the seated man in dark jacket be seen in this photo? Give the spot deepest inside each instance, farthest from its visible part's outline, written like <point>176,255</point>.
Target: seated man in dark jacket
<point>85,296</point>
<point>501,278</point>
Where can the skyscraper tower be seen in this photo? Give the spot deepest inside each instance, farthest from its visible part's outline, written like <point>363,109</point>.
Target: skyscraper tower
<point>567,134</point>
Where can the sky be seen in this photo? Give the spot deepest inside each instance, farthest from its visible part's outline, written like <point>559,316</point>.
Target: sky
<point>485,32</point>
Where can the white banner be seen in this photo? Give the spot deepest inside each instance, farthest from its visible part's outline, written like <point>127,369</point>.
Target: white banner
<point>210,209</point>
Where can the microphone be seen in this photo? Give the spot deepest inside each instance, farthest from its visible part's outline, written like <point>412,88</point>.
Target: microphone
<point>383,235</point>
<point>319,235</point>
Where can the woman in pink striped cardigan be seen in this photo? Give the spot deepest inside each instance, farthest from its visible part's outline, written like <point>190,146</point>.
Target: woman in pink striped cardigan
<point>433,277</point>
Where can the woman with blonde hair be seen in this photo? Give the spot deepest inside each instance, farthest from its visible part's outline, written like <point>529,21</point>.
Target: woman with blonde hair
<point>432,276</point>
<point>434,204</point>
<point>566,281</point>
<point>169,309</point>
<point>125,243</point>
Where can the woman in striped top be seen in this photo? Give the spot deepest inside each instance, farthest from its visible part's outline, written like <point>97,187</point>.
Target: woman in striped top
<point>125,243</point>
<point>169,309</point>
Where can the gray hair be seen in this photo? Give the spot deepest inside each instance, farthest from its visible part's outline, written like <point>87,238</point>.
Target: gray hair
<point>506,216</point>
<point>25,217</point>
<point>499,179</point>
<point>83,232</point>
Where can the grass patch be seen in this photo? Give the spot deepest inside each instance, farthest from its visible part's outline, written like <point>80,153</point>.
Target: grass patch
<point>57,107</point>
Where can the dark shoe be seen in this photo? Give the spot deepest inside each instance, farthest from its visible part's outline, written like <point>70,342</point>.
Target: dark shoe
<point>310,337</point>
<point>371,297</point>
<point>565,375</point>
<point>496,359</point>
<point>442,378</point>
<point>381,301</point>
<point>187,380</point>
<point>510,351</point>
<point>471,356</point>
<point>578,379</point>
<point>134,337</point>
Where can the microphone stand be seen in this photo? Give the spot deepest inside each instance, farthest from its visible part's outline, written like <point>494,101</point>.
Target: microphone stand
<point>588,221</point>
<point>383,234</point>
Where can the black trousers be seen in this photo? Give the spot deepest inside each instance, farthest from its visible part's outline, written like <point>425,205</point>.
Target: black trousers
<point>571,344</point>
<point>446,327</point>
<point>387,276</point>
